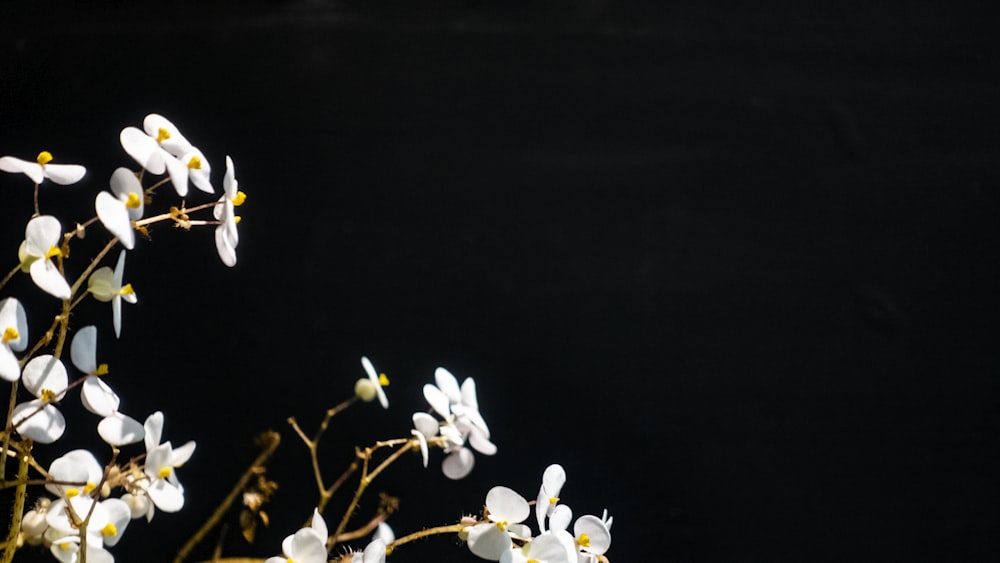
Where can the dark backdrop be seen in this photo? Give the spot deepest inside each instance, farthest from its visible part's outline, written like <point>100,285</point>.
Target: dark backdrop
<point>735,268</point>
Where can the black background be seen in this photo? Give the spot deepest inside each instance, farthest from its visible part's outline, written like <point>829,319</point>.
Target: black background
<point>734,267</point>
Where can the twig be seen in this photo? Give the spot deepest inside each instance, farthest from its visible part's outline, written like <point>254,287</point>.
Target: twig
<point>270,442</point>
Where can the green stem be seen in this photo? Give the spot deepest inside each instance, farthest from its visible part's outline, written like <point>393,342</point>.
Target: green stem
<point>18,510</point>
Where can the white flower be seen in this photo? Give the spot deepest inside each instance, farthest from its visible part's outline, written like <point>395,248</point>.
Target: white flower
<point>95,394</point>
<point>41,243</point>
<point>374,553</point>
<point>45,378</point>
<point>592,536</point>
<point>42,168</point>
<point>226,234</point>
<point>162,147</point>
<point>553,479</point>
<point>505,510</point>
<point>106,285</point>
<point>459,408</point>
<point>13,337</point>
<point>121,206</point>
<point>368,389</point>
<point>164,489</point>
<point>308,545</point>
<point>107,522</point>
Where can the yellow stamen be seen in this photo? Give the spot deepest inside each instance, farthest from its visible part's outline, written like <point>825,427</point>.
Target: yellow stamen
<point>127,290</point>
<point>165,472</point>
<point>583,540</point>
<point>47,395</point>
<point>10,333</point>
<point>239,199</point>
<point>533,561</point>
<point>44,158</point>
<point>383,380</point>
<point>194,163</point>
<point>162,135</point>
<point>502,526</point>
<point>133,201</point>
<point>237,219</point>
<point>101,369</point>
<point>53,252</point>
<point>109,530</point>
<point>71,492</point>
<point>89,487</point>
<point>553,500</point>
<point>65,546</point>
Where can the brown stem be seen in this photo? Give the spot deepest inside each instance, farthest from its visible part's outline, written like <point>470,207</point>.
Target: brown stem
<point>270,441</point>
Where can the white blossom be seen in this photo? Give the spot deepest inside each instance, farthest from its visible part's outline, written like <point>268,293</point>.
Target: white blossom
<point>226,234</point>
<point>505,510</point>
<point>44,377</point>
<point>42,238</point>
<point>42,168</point>
<point>13,337</point>
<point>105,285</point>
<point>121,206</point>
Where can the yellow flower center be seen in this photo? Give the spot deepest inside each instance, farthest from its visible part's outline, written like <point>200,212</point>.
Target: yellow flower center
<point>162,135</point>
<point>109,530</point>
<point>165,472</point>
<point>53,252</point>
<point>10,333</point>
<point>194,163</point>
<point>502,526</point>
<point>583,540</point>
<point>133,201</point>
<point>72,492</point>
<point>239,199</point>
<point>533,561</point>
<point>89,487</point>
<point>47,395</point>
<point>237,219</point>
<point>383,380</point>
<point>101,369</point>
<point>553,500</point>
<point>127,290</point>
<point>44,158</point>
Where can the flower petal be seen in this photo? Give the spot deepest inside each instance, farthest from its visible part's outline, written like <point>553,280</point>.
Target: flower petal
<point>98,397</point>
<point>41,234</point>
<point>44,426</point>
<point>48,278</point>
<point>32,170</point>
<point>115,218</point>
<point>83,349</point>
<point>438,400</point>
<point>447,383</point>
<point>488,541</point>
<point>44,372</point>
<point>165,495</point>
<point>506,505</point>
<point>119,429</point>
<point>144,149</point>
<point>64,174</point>
<point>458,463</point>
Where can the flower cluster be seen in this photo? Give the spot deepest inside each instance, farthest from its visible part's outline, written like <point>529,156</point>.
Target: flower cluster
<point>460,423</point>
<point>91,497</point>
<point>503,537</point>
<point>92,502</point>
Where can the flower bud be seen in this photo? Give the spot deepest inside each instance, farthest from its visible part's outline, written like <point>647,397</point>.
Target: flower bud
<point>365,390</point>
